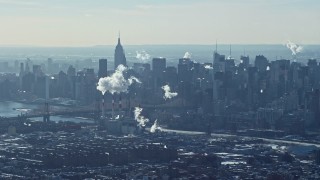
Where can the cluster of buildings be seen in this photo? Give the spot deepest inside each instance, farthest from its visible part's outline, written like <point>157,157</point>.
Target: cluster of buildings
<point>86,152</point>
<point>279,94</point>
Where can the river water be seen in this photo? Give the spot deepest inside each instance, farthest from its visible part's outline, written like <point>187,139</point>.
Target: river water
<point>12,109</point>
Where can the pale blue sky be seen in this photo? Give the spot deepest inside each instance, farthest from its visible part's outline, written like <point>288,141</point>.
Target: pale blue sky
<point>96,22</point>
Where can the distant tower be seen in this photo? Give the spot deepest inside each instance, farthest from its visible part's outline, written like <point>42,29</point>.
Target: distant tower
<point>103,68</point>
<point>158,68</point>
<point>27,69</point>
<point>49,65</point>
<point>119,56</point>
<point>16,66</point>
<point>21,74</point>
<point>21,69</point>
<point>159,65</point>
<point>261,63</point>
<point>245,60</point>
<point>47,94</point>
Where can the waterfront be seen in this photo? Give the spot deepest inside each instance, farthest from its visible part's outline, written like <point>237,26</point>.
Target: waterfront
<point>225,135</point>
<point>12,109</point>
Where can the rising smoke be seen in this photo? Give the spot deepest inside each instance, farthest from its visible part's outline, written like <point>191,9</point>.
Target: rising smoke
<point>142,55</point>
<point>167,92</point>
<point>139,118</point>
<point>187,55</point>
<point>295,48</point>
<point>155,127</point>
<point>208,67</point>
<point>116,83</point>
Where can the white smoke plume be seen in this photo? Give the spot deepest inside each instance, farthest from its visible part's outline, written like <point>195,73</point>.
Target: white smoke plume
<point>167,92</point>
<point>142,55</point>
<point>208,67</point>
<point>116,83</point>
<point>295,48</point>
<point>187,55</point>
<point>155,127</point>
<point>139,118</point>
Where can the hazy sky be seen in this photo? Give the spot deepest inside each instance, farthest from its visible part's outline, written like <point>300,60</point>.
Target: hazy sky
<point>96,22</point>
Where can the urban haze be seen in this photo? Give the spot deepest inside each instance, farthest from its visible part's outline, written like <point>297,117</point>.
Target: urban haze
<point>160,90</point>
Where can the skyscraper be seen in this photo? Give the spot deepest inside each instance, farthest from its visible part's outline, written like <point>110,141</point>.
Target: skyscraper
<point>103,68</point>
<point>158,68</point>
<point>261,63</point>
<point>119,56</point>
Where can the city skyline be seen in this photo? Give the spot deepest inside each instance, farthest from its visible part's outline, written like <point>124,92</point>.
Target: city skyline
<point>87,23</point>
<point>160,89</point>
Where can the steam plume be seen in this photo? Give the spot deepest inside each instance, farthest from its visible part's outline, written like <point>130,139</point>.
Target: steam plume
<point>167,92</point>
<point>295,48</point>
<point>116,83</point>
<point>208,67</point>
<point>155,127</point>
<point>139,118</point>
<point>187,55</point>
<point>142,55</point>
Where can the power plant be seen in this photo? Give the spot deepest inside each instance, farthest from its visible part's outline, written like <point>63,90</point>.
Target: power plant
<point>118,121</point>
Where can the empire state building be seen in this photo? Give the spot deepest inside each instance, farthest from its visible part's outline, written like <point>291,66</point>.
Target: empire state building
<point>119,56</point>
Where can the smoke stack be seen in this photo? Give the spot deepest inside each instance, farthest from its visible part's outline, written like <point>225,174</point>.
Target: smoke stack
<point>103,109</point>
<point>112,106</point>
<point>120,104</point>
<point>128,106</point>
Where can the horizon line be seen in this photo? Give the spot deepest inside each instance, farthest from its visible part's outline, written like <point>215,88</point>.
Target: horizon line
<point>97,45</point>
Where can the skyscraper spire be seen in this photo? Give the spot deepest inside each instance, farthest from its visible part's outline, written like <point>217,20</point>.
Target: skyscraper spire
<point>216,46</point>
<point>119,37</point>
<point>119,55</point>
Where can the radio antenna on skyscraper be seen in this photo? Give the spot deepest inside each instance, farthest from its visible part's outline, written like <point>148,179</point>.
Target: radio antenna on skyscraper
<point>230,51</point>
<point>216,46</point>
